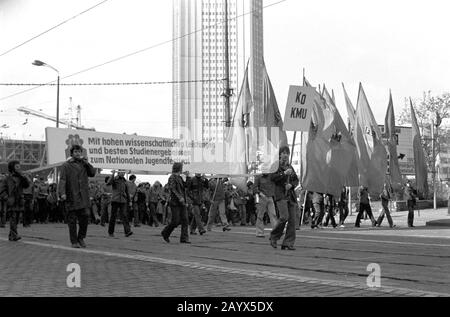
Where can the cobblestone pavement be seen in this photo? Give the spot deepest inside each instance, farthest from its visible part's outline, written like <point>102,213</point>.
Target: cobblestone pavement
<point>236,264</point>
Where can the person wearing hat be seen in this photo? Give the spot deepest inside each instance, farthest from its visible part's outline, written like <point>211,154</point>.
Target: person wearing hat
<point>74,191</point>
<point>178,205</point>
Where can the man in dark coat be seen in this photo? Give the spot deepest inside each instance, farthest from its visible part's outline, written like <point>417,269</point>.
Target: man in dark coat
<point>178,205</point>
<point>195,187</point>
<point>12,186</point>
<point>74,191</point>
<point>286,181</point>
<point>120,200</point>
<point>410,197</point>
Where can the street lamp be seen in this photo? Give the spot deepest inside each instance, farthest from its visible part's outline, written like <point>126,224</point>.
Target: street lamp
<point>40,63</point>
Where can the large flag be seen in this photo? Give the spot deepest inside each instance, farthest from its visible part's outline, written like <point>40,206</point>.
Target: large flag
<point>372,156</point>
<point>236,141</point>
<point>271,136</point>
<point>345,148</point>
<point>272,115</point>
<point>420,162</point>
<point>350,111</point>
<point>392,138</point>
<point>330,153</point>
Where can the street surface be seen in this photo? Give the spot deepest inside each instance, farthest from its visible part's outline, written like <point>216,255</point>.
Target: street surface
<point>327,262</point>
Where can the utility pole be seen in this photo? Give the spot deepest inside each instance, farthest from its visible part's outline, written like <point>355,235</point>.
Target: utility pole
<point>227,93</point>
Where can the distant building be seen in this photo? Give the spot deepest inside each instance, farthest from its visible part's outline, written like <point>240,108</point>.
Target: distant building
<point>198,54</point>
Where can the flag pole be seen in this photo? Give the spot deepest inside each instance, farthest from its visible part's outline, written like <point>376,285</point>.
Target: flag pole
<point>301,166</point>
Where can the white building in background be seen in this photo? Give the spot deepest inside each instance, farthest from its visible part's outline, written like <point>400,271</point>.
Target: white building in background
<point>199,54</point>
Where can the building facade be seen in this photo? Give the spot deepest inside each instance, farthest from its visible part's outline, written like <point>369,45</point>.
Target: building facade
<point>30,154</point>
<point>199,58</point>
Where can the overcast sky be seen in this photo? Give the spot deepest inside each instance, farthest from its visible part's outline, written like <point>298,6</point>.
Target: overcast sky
<point>398,45</point>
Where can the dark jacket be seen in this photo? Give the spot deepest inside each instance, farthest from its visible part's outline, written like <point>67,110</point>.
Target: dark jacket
<point>219,193</point>
<point>264,184</point>
<point>177,191</point>
<point>74,183</point>
<point>195,187</point>
<point>281,180</point>
<point>119,190</point>
<point>410,195</point>
<point>364,196</point>
<point>13,186</point>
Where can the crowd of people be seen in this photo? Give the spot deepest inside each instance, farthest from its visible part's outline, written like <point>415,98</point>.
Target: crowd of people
<point>195,202</point>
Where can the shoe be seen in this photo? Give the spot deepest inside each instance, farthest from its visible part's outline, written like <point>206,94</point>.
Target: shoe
<point>15,239</point>
<point>129,234</point>
<point>75,245</point>
<point>137,226</point>
<point>82,243</point>
<point>260,236</point>
<point>165,238</point>
<point>341,226</point>
<point>111,235</point>
<point>243,225</point>
<point>285,247</point>
<point>411,226</point>
<point>393,227</point>
<point>193,233</point>
<point>185,242</point>
<point>226,229</point>
<point>102,224</point>
<point>357,226</point>
<point>273,243</point>
<point>209,229</point>
<point>202,232</point>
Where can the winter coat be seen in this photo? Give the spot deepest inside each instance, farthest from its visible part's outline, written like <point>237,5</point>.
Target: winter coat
<point>74,183</point>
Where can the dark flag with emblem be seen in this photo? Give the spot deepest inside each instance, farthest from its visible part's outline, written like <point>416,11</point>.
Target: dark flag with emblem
<point>331,152</point>
<point>272,115</point>
<point>236,141</point>
<point>372,156</point>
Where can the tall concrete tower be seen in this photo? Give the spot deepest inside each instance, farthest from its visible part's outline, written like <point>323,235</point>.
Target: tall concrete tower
<point>199,54</point>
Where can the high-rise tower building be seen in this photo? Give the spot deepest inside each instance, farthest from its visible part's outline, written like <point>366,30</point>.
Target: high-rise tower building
<point>199,54</point>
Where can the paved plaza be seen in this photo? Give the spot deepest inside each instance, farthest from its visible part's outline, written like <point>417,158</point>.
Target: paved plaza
<point>327,262</point>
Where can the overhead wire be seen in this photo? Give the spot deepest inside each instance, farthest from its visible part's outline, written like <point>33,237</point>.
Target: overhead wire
<point>52,28</point>
<point>141,50</point>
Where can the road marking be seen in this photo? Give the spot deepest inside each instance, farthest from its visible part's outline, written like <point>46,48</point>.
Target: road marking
<point>250,273</point>
<point>358,240</point>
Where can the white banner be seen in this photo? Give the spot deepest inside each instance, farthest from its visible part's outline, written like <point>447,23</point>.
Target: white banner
<point>299,108</point>
<point>143,154</point>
